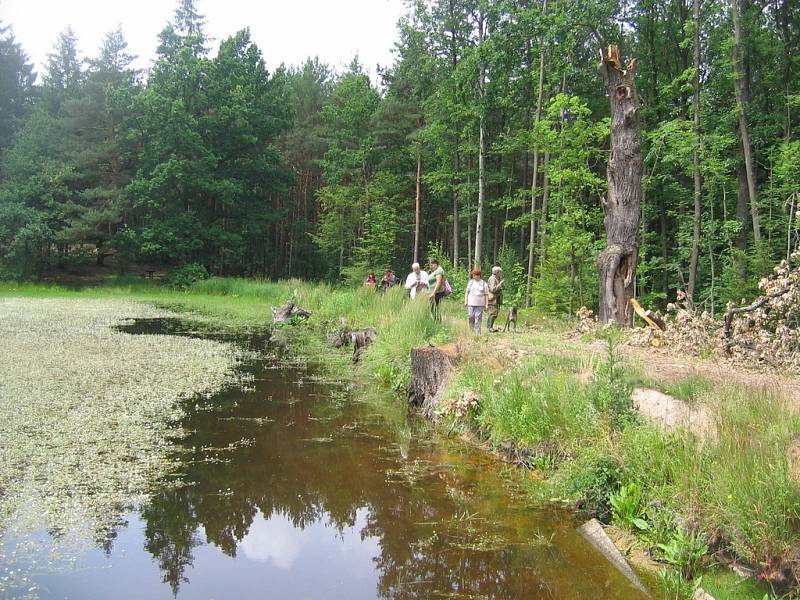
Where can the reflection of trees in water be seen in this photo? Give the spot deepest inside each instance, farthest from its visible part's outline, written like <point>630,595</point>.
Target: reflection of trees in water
<point>171,534</point>
<point>286,472</point>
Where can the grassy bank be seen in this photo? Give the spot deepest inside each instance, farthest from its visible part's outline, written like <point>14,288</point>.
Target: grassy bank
<point>690,502</point>
<point>564,410</point>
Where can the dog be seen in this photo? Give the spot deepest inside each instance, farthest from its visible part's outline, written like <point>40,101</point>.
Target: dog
<point>511,319</point>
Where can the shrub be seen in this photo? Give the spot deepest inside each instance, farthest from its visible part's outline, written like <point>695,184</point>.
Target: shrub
<point>186,276</point>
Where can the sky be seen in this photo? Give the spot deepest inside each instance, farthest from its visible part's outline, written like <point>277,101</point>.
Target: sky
<point>286,31</point>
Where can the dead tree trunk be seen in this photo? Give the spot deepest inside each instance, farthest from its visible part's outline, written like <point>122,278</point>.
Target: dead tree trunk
<point>617,263</point>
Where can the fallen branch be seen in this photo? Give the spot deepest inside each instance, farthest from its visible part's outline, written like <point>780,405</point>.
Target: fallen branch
<point>732,312</point>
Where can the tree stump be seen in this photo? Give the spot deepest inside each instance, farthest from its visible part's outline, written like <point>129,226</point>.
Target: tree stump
<point>288,311</point>
<point>617,263</point>
<point>361,339</point>
<point>431,369</point>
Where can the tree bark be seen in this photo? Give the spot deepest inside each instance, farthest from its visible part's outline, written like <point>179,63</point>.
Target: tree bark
<point>543,220</point>
<point>481,195</point>
<point>742,214</point>
<point>469,214</point>
<point>696,161</point>
<point>537,118</point>
<point>617,263</point>
<point>417,207</point>
<point>481,151</point>
<point>741,85</point>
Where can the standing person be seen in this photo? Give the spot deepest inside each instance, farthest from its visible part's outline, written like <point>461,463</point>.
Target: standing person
<point>476,299</point>
<point>371,281</point>
<point>388,281</point>
<point>496,286</point>
<point>436,280</point>
<point>417,281</point>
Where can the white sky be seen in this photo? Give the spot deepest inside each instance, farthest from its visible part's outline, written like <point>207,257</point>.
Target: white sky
<point>285,30</point>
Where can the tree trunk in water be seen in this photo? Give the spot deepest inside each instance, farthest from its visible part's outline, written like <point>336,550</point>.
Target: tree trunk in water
<point>416,208</point>
<point>696,160</point>
<point>534,182</point>
<point>617,263</point>
<point>742,85</point>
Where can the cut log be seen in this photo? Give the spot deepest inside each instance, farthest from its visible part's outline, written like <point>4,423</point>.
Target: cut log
<point>288,311</point>
<point>648,316</point>
<point>594,533</point>
<point>431,369</point>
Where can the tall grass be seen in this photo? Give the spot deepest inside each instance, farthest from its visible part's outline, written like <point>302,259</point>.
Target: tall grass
<point>539,401</point>
<point>749,494</point>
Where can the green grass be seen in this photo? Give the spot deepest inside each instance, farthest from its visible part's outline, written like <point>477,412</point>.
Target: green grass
<point>724,584</point>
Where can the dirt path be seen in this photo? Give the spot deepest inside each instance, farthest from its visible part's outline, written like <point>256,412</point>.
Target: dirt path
<point>658,364</point>
<point>666,367</point>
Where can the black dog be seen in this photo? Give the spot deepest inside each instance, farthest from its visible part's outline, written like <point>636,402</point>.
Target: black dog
<point>511,319</point>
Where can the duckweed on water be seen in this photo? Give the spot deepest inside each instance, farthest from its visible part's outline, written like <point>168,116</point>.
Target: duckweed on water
<point>88,414</point>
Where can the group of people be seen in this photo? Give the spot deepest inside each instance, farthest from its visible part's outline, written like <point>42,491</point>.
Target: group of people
<point>389,280</point>
<point>480,296</point>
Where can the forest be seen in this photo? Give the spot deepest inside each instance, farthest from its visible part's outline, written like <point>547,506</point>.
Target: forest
<point>485,142</point>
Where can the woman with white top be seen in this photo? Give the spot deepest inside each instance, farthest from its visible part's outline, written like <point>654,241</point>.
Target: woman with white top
<point>476,299</point>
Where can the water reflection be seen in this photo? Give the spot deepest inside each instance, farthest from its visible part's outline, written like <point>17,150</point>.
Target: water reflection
<point>423,523</point>
<point>293,490</point>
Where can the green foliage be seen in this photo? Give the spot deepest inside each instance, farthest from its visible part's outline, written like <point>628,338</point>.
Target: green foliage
<point>675,587</point>
<point>307,172</point>
<point>611,394</point>
<point>685,552</point>
<point>627,507</point>
<point>590,479</point>
<point>186,276</point>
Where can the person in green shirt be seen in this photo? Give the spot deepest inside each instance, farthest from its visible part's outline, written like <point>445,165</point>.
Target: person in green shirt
<point>436,279</point>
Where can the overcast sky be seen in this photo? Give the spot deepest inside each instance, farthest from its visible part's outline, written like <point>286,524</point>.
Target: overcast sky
<point>285,30</point>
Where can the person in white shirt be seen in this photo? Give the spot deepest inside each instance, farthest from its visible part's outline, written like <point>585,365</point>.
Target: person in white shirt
<point>476,299</point>
<point>417,281</point>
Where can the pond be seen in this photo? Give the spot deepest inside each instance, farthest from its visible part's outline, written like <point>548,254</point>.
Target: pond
<point>295,487</point>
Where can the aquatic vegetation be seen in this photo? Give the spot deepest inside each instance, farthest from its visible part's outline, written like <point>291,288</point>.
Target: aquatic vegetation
<point>88,414</point>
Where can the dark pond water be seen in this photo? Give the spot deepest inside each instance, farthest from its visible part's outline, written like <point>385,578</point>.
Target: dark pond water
<point>321,493</point>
